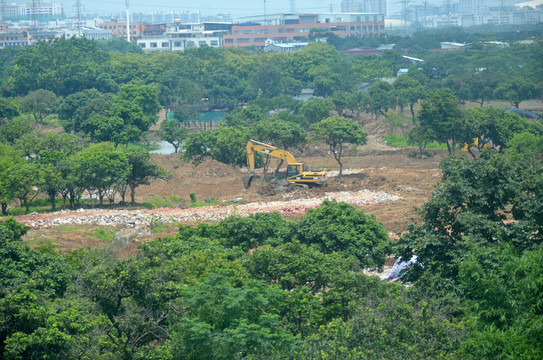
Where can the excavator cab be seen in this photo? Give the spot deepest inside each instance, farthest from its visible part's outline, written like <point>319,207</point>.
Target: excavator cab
<point>294,170</point>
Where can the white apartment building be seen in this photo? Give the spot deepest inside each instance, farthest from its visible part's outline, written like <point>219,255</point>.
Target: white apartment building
<point>179,39</point>
<point>40,8</point>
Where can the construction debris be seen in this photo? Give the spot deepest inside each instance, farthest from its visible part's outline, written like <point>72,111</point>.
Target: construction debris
<point>146,218</point>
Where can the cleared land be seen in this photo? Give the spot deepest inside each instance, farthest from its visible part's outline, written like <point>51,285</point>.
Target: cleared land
<point>384,181</point>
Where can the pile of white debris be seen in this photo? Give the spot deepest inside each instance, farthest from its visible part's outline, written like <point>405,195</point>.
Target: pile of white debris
<point>146,218</point>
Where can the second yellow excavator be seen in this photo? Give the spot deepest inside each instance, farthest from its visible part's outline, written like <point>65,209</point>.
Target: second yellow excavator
<point>297,172</point>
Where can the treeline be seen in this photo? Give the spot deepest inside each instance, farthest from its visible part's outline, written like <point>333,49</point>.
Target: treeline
<point>114,96</point>
<point>261,287</point>
<point>66,166</point>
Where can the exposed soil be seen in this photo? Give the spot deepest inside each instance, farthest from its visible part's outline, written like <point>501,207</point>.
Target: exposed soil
<point>382,170</point>
<point>374,168</point>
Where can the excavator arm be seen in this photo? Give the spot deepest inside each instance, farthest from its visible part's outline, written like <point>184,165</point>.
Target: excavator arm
<point>256,146</point>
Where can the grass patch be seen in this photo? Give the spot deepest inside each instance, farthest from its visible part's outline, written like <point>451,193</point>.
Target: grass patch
<point>400,141</point>
<point>69,228</point>
<point>211,201</point>
<point>396,140</point>
<point>156,202</point>
<point>40,242</point>
<point>160,228</point>
<point>103,234</point>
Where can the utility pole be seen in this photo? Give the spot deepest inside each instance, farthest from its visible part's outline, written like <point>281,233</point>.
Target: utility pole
<point>500,14</point>
<point>78,22</point>
<point>448,10</point>
<point>425,13</point>
<point>127,22</point>
<point>405,14</point>
<point>34,13</point>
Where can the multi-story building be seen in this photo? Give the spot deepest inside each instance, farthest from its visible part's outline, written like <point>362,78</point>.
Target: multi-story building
<point>25,37</point>
<point>364,6</point>
<point>179,37</point>
<point>90,33</point>
<point>473,12</point>
<point>10,11</point>
<point>14,39</point>
<point>253,31</point>
<point>39,8</point>
<point>118,29</point>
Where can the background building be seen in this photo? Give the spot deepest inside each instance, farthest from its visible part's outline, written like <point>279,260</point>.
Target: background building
<point>253,31</point>
<point>118,29</point>
<point>364,6</point>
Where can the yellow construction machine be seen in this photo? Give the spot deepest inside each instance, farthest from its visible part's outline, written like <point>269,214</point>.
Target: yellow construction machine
<point>297,172</point>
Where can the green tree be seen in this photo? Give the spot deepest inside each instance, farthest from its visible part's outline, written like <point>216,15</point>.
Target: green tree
<point>338,131</point>
<point>8,110</point>
<point>441,113</point>
<point>15,129</point>
<point>145,96</point>
<point>198,147</point>
<point>421,136</point>
<point>340,227</point>
<point>408,90</point>
<point>101,167</point>
<point>25,179</point>
<point>39,103</point>
<point>480,87</point>
<point>76,109</point>
<point>230,145</point>
<point>123,123</point>
<point>246,116</point>
<point>64,66</point>
<point>172,132</point>
<point>467,210</point>
<point>223,320</point>
<point>268,80</point>
<point>9,159</point>
<point>525,147</point>
<point>142,171</point>
<point>315,110</point>
<point>515,91</point>
<point>381,97</point>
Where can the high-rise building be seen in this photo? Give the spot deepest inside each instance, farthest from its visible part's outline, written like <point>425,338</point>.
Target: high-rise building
<point>41,9</point>
<point>472,6</point>
<point>364,6</point>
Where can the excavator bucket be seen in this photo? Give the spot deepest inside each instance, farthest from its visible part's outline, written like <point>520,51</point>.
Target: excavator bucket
<point>247,180</point>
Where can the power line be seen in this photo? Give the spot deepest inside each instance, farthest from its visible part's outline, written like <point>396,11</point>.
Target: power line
<point>405,14</point>
<point>127,22</point>
<point>34,13</point>
<point>425,13</point>
<point>78,17</point>
<point>448,10</point>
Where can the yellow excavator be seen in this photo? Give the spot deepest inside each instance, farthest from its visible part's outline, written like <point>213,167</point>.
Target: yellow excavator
<point>297,172</point>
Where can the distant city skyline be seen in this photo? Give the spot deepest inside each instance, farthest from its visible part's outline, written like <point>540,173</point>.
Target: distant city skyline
<point>235,8</point>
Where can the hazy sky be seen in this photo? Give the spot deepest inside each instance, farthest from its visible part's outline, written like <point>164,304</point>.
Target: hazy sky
<point>233,7</point>
<point>207,7</point>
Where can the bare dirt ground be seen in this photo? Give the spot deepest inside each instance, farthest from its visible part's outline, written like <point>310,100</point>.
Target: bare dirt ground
<point>381,180</point>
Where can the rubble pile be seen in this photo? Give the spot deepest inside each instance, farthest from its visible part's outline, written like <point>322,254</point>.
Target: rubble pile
<point>149,218</point>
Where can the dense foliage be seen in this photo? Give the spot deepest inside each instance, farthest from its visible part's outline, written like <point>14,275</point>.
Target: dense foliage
<point>262,287</point>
